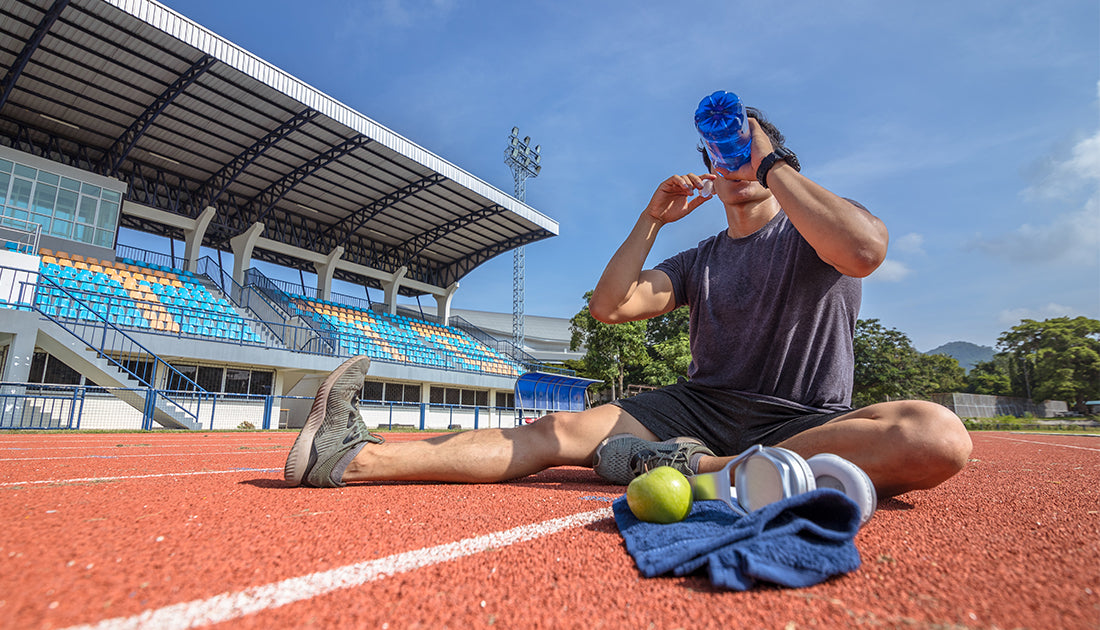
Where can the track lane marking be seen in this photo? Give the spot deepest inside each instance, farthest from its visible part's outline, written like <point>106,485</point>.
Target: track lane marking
<point>142,455</point>
<point>123,445</point>
<point>60,482</point>
<point>229,606</point>
<point>1083,448</point>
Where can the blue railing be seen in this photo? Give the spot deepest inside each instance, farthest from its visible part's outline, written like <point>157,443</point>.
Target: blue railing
<point>65,407</point>
<point>269,300</point>
<point>100,335</point>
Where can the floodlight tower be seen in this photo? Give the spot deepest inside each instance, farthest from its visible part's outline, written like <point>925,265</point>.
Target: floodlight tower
<point>524,162</point>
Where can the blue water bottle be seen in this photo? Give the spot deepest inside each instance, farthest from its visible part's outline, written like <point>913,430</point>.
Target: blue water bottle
<point>722,124</point>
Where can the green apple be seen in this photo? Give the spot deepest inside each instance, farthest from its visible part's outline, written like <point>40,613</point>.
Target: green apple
<point>661,495</point>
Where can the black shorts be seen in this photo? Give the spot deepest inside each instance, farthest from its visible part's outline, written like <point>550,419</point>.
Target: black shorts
<point>727,422</point>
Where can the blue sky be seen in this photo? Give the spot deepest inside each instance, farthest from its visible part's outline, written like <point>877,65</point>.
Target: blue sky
<point>971,128</point>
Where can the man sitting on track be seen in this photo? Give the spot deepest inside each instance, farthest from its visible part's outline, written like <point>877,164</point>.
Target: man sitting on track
<point>773,299</point>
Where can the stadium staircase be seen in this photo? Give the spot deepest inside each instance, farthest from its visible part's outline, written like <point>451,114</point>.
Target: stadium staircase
<point>345,330</point>
<point>275,306</point>
<point>401,339</point>
<point>106,354</point>
<point>143,297</point>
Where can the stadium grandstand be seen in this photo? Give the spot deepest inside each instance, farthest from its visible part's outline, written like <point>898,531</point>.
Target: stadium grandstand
<point>125,115</point>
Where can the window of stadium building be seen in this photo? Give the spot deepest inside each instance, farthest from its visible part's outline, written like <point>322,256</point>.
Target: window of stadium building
<point>47,369</point>
<point>456,396</point>
<point>390,392</point>
<point>241,381</point>
<point>65,207</point>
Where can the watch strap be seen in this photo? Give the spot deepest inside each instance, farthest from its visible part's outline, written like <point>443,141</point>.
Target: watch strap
<point>766,165</point>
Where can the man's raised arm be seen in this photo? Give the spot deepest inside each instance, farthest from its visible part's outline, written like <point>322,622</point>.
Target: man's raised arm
<point>626,292</point>
<point>843,234</point>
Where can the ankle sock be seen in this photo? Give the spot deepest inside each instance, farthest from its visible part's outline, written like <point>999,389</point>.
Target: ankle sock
<point>337,474</point>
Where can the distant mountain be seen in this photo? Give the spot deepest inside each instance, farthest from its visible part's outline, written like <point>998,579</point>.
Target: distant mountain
<point>967,354</point>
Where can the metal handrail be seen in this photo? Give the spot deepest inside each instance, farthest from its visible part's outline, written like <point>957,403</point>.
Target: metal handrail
<point>102,326</point>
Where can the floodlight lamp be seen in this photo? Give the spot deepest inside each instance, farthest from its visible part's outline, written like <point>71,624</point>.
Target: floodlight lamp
<point>515,132</point>
<point>526,140</point>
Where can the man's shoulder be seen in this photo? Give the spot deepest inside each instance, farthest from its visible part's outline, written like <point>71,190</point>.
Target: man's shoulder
<point>708,242</point>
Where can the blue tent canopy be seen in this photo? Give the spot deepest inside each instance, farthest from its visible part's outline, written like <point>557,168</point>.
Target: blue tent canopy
<point>539,393</point>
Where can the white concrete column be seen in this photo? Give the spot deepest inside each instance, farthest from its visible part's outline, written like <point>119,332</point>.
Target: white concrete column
<point>242,245</point>
<point>17,361</point>
<point>325,270</point>
<point>193,238</point>
<point>392,288</point>
<point>443,304</point>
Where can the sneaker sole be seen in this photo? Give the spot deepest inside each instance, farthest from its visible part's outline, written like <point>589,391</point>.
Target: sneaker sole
<point>297,462</point>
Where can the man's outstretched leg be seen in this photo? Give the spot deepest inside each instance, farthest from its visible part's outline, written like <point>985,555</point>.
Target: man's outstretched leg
<point>335,447</point>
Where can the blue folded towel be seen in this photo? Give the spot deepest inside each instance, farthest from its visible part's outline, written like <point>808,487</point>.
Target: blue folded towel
<point>796,542</point>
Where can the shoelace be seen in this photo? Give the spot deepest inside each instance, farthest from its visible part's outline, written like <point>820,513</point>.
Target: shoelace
<point>643,461</point>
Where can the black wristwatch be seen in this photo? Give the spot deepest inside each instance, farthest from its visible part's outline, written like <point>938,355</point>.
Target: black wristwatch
<point>780,153</point>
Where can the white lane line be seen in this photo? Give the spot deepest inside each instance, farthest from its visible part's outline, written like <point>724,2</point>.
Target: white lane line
<point>87,447</point>
<point>249,451</point>
<point>124,478</point>
<point>228,606</point>
<point>1083,448</point>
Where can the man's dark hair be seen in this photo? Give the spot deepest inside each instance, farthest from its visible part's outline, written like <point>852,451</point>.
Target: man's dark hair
<point>773,134</point>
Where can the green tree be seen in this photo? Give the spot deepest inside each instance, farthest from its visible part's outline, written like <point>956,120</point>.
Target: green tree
<point>611,349</point>
<point>888,367</point>
<point>990,377</point>
<point>1055,359</point>
<point>883,363</point>
<point>939,373</point>
<point>669,349</point>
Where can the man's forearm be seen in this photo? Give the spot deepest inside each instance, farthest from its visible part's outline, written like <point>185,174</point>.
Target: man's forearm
<point>849,238</point>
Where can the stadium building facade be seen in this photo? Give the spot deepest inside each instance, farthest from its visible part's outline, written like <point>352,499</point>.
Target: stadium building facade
<point>124,114</point>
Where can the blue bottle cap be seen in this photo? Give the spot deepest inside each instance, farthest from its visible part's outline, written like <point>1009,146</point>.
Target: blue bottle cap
<point>720,114</point>
<point>722,123</point>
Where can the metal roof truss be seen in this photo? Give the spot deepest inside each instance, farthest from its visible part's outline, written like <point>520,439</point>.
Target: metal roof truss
<point>131,90</point>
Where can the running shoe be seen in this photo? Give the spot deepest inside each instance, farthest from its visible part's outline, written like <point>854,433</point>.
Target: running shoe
<point>334,432</point>
<point>620,458</point>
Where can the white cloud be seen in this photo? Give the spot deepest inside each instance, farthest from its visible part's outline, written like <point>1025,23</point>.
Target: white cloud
<point>1066,177</point>
<point>403,13</point>
<point>1013,316</point>
<point>890,271</point>
<point>911,243</point>
<point>1071,236</point>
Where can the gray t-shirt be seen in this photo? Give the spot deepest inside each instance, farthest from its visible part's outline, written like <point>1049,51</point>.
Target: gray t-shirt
<point>768,316</point>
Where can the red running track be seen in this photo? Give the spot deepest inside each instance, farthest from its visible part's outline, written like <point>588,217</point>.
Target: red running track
<point>178,530</point>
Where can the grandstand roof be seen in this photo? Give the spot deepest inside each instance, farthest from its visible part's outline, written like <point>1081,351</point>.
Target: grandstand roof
<point>132,90</point>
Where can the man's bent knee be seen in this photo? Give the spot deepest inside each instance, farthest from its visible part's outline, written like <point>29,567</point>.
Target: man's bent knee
<point>939,443</point>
